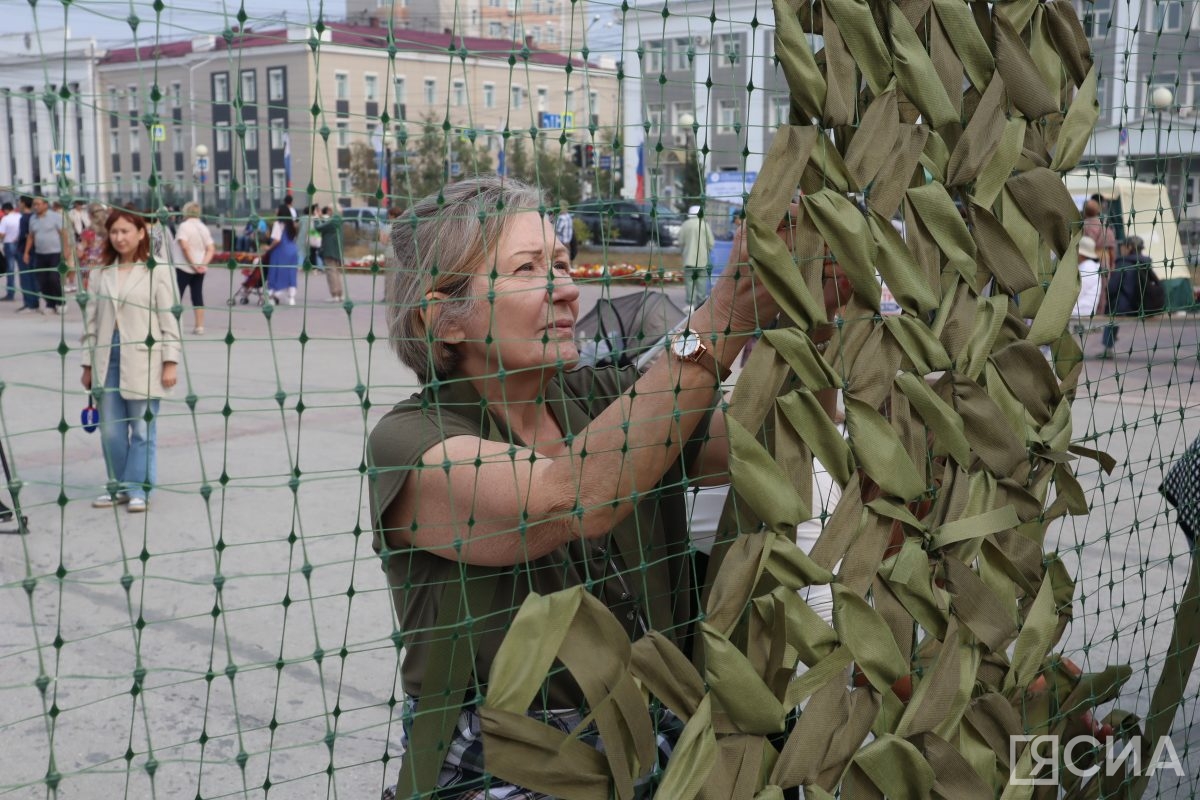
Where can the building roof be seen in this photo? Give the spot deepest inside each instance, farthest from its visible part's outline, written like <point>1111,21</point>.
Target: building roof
<point>364,36</point>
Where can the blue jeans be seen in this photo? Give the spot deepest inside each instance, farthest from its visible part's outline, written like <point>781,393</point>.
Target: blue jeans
<point>28,281</point>
<point>12,264</point>
<point>128,438</point>
<point>1110,335</point>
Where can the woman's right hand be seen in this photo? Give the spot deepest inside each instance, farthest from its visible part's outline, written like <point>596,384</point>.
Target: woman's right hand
<point>86,378</point>
<point>738,302</point>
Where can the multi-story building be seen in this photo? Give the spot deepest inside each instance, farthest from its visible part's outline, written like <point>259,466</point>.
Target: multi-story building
<point>47,145</point>
<point>549,24</point>
<point>686,90</point>
<point>265,96</point>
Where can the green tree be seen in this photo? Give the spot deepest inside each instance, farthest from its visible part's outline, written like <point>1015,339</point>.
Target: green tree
<point>434,153</point>
<point>693,179</point>
<point>364,170</point>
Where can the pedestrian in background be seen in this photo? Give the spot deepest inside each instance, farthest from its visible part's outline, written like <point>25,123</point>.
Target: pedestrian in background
<point>45,248</point>
<point>196,242</point>
<point>284,254</point>
<point>564,230</point>
<point>131,337</point>
<point>330,228</point>
<point>696,243</point>
<point>10,232</point>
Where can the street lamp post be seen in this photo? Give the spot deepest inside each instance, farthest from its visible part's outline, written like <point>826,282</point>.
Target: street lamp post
<point>1161,99</point>
<point>688,122</point>
<point>199,172</point>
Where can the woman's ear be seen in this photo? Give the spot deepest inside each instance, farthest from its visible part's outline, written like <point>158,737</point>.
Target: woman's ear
<point>451,333</point>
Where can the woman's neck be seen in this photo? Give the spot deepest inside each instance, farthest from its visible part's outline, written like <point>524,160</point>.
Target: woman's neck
<point>519,399</point>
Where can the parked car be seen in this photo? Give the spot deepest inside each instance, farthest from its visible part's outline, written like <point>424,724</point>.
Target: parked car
<point>629,222</point>
<point>363,218</point>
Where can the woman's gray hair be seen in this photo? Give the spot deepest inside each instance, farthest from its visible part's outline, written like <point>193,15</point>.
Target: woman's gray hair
<point>437,246</point>
<point>1134,243</point>
<point>191,209</point>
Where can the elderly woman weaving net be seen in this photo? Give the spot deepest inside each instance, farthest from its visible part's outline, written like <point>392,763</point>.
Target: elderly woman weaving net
<point>512,473</point>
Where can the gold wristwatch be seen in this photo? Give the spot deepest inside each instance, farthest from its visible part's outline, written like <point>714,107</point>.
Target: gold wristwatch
<point>688,346</point>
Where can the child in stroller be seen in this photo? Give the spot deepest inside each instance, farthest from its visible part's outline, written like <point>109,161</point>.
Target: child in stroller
<point>252,285</point>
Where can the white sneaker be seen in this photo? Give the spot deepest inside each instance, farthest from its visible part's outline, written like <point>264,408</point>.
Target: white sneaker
<point>137,505</point>
<point>108,500</point>
<point>291,301</point>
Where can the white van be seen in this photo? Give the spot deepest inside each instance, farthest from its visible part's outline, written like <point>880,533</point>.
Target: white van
<point>1136,208</point>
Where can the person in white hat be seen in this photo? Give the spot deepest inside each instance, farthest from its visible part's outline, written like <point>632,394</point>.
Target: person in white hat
<point>1088,302</point>
<point>696,243</point>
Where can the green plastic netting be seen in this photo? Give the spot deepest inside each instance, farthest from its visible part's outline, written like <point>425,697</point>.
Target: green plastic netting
<point>239,638</point>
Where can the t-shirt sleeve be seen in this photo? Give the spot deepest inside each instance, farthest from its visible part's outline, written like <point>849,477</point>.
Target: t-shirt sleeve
<point>395,449</point>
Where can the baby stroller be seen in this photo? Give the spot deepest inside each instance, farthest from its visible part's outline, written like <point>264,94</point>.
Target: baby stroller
<point>252,285</point>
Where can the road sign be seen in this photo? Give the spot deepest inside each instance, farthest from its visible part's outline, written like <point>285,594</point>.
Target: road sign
<point>62,161</point>
<point>549,121</point>
<point>202,164</point>
<point>605,162</point>
<point>158,132</point>
<point>568,122</point>
<point>455,169</point>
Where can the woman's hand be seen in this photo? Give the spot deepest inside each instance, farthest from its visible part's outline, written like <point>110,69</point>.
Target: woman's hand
<point>86,378</point>
<point>737,300</point>
<point>169,374</point>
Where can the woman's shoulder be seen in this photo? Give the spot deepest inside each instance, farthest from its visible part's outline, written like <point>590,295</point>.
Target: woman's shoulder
<point>411,427</point>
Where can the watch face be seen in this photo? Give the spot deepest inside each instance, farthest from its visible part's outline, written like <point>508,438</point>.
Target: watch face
<point>686,345</point>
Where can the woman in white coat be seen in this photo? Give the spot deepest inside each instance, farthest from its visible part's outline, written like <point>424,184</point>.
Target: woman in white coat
<point>131,339</point>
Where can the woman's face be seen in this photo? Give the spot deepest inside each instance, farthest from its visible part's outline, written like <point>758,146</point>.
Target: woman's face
<point>531,320</point>
<point>125,238</point>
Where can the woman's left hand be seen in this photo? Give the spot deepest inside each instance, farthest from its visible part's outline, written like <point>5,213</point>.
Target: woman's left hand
<point>169,375</point>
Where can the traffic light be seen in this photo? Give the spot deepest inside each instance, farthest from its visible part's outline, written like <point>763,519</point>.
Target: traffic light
<point>577,155</point>
<point>590,156</point>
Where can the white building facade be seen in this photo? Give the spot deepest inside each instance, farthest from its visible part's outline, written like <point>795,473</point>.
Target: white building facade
<point>48,115</point>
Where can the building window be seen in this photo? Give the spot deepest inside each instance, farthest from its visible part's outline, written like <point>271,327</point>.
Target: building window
<point>430,91</point>
<point>569,101</point>
<point>345,187</point>
<point>401,91</point>
<point>251,137</point>
<point>593,103</point>
<point>249,86</point>
<point>679,55</point>
<point>343,133</point>
<point>1193,91</point>
<point>114,100</point>
<point>177,139</point>
<point>460,93</point>
<point>220,84</point>
<point>489,95</point>
<point>518,95</point>
<point>278,129</point>
<point>176,94</point>
<point>653,58</point>
<point>276,85</point>
<point>371,88</point>
<point>252,188</point>
<point>223,184</point>
<point>779,111</point>
<point>1097,16</point>
<point>114,143</point>
<point>278,186</point>
<point>728,49</point>
<point>495,30</point>
<point>134,141</point>
<point>1191,192</point>
<point>222,131</point>
<point>542,96</point>
<point>341,86</point>
<point>654,115</point>
<point>727,116</point>
<point>1167,15</point>
<point>132,99</point>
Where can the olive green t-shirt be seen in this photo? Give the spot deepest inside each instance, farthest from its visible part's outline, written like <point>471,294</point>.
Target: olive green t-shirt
<point>643,570</point>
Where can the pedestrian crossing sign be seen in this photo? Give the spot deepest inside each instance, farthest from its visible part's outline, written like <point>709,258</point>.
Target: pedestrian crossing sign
<point>62,162</point>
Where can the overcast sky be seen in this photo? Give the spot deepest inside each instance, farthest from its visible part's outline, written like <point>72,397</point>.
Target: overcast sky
<point>108,20</point>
